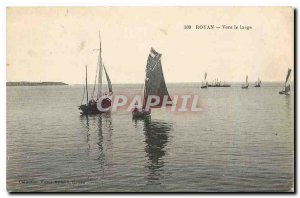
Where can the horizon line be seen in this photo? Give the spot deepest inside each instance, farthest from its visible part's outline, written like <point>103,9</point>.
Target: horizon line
<point>136,82</point>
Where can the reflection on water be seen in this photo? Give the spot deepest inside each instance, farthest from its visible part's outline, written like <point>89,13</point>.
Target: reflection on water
<point>84,120</point>
<point>101,157</point>
<point>107,124</point>
<point>288,107</point>
<point>288,104</point>
<point>156,138</point>
<point>101,126</point>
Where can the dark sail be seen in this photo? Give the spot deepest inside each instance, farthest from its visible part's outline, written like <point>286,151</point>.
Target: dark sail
<point>287,86</point>
<point>155,82</point>
<point>108,81</point>
<point>288,75</point>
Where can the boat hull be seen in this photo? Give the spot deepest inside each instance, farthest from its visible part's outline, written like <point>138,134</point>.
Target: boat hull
<point>140,113</point>
<point>92,109</point>
<point>284,92</point>
<point>219,85</point>
<point>246,87</point>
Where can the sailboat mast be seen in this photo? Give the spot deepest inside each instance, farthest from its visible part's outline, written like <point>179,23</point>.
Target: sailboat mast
<point>145,95</point>
<point>87,94</point>
<point>100,70</point>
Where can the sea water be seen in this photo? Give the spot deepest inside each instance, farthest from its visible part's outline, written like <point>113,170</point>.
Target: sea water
<point>241,140</point>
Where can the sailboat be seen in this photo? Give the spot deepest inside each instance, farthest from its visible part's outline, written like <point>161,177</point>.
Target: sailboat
<point>258,83</point>
<point>91,105</point>
<point>246,85</point>
<point>154,85</point>
<point>287,85</point>
<point>205,84</point>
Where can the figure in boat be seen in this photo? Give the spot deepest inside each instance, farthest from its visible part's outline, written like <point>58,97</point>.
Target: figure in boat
<point>257,83</point>
<point>102,102</point>
<point>246,85</point>
<point>204,83</point>
<point>287,85</point>
<point>141,112</point>
<point>154,86</point>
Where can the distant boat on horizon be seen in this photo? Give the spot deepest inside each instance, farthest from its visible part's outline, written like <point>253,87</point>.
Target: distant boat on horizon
<point>204,83</point>
<point>218,83</point>
<point>287,85</point>
<point>257,83</point>
<point>246,85</point>
<point>91,105</point>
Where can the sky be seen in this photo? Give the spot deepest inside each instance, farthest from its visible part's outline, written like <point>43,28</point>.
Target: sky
<point>55,44</point>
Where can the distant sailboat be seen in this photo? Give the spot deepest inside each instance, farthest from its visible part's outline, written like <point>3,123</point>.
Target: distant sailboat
<point>246,85</point>
<point>287,85</point>
<point>204,83</point>
<point>154,85</point>
<point>258,83</point>
<point>91,106</point>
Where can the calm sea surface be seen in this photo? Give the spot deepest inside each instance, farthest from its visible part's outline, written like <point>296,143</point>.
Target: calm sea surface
<point>242,140</point>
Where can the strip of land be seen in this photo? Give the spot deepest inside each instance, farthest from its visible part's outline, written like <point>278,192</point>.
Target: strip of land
<point>34,83</point>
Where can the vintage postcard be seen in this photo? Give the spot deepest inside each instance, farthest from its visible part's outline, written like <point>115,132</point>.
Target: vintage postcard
<point>150,99</point>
